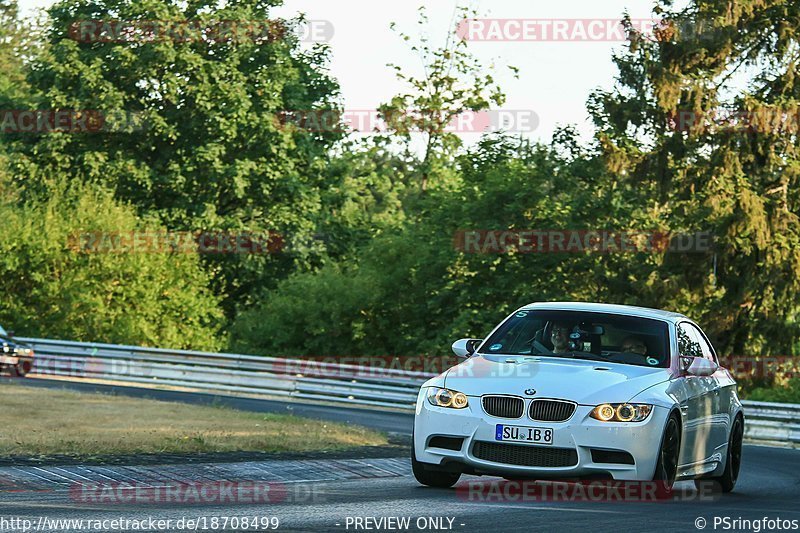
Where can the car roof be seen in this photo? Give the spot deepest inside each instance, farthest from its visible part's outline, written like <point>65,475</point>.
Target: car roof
<point>630,310</point>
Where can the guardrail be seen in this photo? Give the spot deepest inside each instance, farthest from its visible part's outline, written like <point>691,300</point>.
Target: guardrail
<point>298,379</point>
<point>228,373</point>
<point>772,422</point>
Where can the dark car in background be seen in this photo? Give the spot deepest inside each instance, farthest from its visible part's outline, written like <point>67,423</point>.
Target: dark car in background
<point>16,358</point>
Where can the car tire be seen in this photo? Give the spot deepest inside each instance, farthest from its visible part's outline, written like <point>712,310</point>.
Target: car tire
<point>21,369</point>
<point>727,481</point>
<point>668,453</point>
<point>430,476</point>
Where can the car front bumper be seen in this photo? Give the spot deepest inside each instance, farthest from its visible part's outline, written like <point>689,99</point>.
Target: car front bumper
<point>9,359</point>
<point>577,436</point>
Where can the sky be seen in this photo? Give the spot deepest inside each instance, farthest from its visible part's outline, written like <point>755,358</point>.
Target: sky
<point>555,77</point>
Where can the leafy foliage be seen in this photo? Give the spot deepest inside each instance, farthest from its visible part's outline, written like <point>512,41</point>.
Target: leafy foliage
<point>698,124</point>
<point>412,291</point>
<point>452,82</point>
<point>199,139</point>
<point>787,394</point>
<point>52,290</point>
<point>697,135</point>
<point>14,39</point>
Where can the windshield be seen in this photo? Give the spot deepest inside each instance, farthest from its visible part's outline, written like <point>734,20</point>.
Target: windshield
<point>582,335</point>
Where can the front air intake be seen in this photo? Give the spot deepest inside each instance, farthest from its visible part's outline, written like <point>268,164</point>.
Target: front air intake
<point>446,443</point>
<point>523,455</point>
<point>551,410</point>
<point>504,406</point>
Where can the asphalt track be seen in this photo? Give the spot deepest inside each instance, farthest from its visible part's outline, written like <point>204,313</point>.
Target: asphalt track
<point>768,490</point>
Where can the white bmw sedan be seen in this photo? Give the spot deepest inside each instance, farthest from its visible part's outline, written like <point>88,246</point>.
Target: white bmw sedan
<point>582,390</point>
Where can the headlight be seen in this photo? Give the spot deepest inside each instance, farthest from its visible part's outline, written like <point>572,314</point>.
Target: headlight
<point>621,412</point>
<point>447,398</point>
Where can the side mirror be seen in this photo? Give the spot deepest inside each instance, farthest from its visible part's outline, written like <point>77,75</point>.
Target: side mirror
<point>466,347</point>
<point>700,366</point>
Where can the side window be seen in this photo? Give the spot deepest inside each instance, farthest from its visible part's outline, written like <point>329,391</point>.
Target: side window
<point>708,353</point>
<point>688,345</point>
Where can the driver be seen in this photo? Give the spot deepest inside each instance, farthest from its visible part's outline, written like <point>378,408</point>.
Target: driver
<point>634,344</point>
<point>559,336</point>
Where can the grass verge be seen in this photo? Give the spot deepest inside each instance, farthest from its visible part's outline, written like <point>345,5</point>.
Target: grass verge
<point>38,421</point>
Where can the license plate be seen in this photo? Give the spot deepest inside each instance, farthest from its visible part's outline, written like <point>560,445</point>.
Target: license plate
<point>527,434</point>
<point>8,360</point>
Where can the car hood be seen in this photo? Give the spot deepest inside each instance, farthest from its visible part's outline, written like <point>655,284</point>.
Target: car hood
<point>582,381</point>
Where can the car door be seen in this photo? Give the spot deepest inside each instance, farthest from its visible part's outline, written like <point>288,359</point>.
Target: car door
<point>722,399</point>
<point>696,402</point>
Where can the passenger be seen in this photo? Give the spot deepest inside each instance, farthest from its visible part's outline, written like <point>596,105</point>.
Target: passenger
<point>634,344</point>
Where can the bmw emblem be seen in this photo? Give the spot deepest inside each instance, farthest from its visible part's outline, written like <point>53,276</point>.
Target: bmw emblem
<point>530,392</point>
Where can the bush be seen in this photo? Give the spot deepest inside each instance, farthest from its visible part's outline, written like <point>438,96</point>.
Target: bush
<point>51,290</point>
<point>788,394</point>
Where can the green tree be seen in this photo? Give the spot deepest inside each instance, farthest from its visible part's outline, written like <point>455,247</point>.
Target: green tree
<point>15,93</point>
<point>413,292</point>
<point>452,82</point>
<point>703,124</point>
<point>367,184</point>
<point>201,143</point>
<point>13,41</point>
